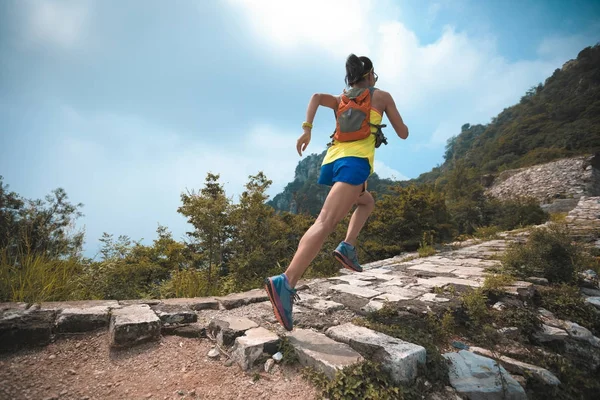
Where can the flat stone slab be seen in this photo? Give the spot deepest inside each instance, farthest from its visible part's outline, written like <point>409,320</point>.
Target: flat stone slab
<point>520,288</point>
<point>481,378</point>
<point>350,280</point>
<point>395,293</point>
<point>441,281</point>
<point>241,299</point>
<point>150,302</point>
<point>133,324</point>
<point>195,330</point>
<point>75,320</point>
<point>61,305</point>
<point>433,298</point>
<point>356,290</point>
<point>21,328</point>
<point>401,359</point>
<point>194,303</point>
<point>429,267</point>
<point>321,352</point>
<point>550,333</point>
<point>520,368</point>
<point>248,348</point>
<point>175,314</point>
<point>323,305</point>
<point>12,306</point>
<point>227,329</point>
<point>466,272</point>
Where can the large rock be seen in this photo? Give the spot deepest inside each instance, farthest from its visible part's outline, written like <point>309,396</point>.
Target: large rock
<point>241,299</point>
<point>175,314</point>
<point>401,359</point>
<point>520,368</point>
<point>75,320</point>
<point>227,329</point>
<point>20,328</point>
<point>321,352</point>
<point>248,348</point>
<point>481,378</point>
<point>133,324</point>
<point>550,333</point>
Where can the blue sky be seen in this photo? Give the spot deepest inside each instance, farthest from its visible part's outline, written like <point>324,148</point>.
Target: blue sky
<point>127,104</point>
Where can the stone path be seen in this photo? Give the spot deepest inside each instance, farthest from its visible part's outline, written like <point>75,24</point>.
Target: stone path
<point>243,325</point>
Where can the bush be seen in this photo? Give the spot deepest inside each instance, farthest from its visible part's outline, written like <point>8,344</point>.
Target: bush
<point>365,380</point>
<point>514,213</point>
<point>36,277</point>
<point>548,253</point>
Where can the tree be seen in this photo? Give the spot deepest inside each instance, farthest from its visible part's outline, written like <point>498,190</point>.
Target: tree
<point>37,226</point>
<point>209,212</point>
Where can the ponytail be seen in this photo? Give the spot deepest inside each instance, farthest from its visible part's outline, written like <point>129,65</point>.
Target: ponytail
<point>356,68</point>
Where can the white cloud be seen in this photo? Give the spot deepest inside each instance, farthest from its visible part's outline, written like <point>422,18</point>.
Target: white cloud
<point>130,174</point>
<point>385,171</point>
<point>457,78</point>
<point>58,22</point>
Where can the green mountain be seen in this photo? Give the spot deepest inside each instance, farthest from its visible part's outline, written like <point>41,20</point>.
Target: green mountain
<point>305,196</point>
<point>556,119</point>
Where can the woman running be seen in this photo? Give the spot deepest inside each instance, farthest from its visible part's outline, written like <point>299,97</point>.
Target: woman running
<point>346,168</point>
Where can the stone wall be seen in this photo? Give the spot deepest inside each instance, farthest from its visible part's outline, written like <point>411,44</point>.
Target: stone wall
<point>557,185</point>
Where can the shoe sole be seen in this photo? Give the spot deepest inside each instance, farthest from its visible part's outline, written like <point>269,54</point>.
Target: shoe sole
<point>344,261</point>
<point>275,302</point>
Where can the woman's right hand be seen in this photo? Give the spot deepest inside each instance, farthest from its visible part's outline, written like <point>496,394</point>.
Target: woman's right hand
<point>303,141</point>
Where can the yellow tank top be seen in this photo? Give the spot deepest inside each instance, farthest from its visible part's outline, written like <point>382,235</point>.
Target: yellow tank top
<point>364,148</point>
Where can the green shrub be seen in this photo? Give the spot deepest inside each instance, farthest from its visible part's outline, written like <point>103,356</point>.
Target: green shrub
<point>548,253</point>
<point>487,232</point>
<point>565,302</point>
<point>514,213</point>
<point>365,380</point>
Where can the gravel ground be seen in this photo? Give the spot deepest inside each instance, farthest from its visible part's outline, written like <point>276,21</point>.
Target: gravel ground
<point>83,367</point>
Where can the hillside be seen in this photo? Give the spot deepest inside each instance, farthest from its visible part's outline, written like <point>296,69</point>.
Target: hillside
<point>557,119</point>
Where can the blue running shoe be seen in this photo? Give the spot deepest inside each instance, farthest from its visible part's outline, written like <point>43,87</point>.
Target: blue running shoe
<point>282,298</point>
<point>346,255</point>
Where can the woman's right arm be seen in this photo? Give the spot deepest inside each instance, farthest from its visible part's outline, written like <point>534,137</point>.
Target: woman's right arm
<point>317,99</point>
<point>391,111</point>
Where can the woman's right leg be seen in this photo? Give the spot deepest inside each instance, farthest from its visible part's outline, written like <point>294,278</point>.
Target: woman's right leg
<point>340,200</point>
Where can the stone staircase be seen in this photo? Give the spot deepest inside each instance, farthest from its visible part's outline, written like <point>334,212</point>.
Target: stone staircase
<point>243,325</point>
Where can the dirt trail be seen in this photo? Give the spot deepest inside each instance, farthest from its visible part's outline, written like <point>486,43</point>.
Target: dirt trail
<point>82,367</point>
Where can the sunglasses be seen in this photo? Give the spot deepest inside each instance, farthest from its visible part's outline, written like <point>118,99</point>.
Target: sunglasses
<point>374,74</point>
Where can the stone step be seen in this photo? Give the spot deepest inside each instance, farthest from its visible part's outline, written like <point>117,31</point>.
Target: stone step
<point>321,352</point>
<point>226,329</point>
<point>76,320</point>
<point>134,324</point>
<point>235,300</point>
<point>175,314</point>
<point>22,328</point>
<point>401,359</point>
<point>249,347</point>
